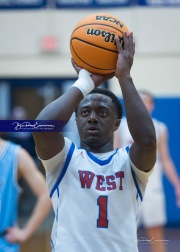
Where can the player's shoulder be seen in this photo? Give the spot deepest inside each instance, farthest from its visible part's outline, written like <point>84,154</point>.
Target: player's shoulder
<point>69,144</point>
<point>123,152</point>
<point>124,120</point>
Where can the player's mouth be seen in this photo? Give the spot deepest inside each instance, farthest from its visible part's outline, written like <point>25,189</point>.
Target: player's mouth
<point>93,129</point>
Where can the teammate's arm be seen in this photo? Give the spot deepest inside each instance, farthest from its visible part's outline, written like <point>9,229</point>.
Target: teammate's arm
<point>143,150</point>
<point>28,170</point>
<point>168,164</point>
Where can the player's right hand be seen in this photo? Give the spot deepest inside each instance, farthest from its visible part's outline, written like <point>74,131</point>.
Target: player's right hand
<point>98,79</point>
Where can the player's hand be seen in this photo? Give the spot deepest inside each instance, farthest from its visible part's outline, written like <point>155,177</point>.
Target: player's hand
<point>125,56</point>
<point>76,67</point>
<point>98,79</point>
<point>15,235</point>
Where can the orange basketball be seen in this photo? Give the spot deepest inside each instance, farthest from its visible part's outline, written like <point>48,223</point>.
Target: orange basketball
<point>92,42</point>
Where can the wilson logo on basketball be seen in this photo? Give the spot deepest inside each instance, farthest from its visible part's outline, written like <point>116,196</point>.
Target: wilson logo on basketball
<point>108,36</point>
<point>93,42</point>
<point>110,19</point>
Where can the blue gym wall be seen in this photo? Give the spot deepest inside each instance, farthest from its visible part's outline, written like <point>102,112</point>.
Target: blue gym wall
<point>168,111</point>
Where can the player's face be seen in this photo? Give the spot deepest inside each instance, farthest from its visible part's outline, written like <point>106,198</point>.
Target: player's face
<point>96,120</point>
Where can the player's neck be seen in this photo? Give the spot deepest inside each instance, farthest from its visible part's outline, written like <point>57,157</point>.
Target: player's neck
<point>97,148</point>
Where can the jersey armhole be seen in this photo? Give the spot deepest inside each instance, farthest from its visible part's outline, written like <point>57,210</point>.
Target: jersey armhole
<point>64,169</point>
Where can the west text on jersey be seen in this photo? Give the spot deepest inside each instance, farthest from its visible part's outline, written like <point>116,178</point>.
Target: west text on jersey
<point>103,183</point>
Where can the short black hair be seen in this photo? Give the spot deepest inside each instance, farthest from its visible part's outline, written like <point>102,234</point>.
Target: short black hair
<point>113,97</point>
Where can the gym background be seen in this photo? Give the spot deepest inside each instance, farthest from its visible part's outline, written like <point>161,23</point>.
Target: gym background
<point>35,68</point>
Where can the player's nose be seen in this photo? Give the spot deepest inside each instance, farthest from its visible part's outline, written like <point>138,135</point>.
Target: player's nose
<point>92,117</point>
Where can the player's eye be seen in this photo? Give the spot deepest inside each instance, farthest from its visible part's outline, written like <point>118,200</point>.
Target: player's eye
<point>84,112</point>
<point>102,113</point>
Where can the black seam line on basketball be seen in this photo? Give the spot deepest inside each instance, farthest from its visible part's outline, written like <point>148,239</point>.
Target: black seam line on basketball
<point>98,24</point>
<point>91,65</point>
<point>95,45</point>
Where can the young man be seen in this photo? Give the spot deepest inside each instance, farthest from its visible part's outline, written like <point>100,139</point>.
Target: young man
<point>95,189</point>
<point>15,162</point>
<point>152,212</point>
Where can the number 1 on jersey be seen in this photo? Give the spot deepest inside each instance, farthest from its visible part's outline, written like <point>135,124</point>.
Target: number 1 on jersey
<point>102,221</point>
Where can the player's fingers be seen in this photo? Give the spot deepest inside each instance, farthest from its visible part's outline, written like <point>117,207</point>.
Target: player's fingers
<point>131,44</point>
<point>126,40</point>
<point>106,77</point>
<point>133,47</point>
<point>75,66</point>
<point>109,76</point>
<point>118,44</point>
<point>73,62</point>
<point>99,79</point>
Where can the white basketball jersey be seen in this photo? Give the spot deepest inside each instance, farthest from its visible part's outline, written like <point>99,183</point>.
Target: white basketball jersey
<point>95,203</point>
<point>155,180</point>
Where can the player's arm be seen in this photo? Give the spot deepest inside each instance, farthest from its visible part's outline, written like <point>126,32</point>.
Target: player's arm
<point>28,170</point>
<point>50,144</point>
<point>143,150</point>
<point>168,164</point>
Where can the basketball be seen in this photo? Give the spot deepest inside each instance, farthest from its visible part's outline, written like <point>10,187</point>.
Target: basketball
<point>92,42</point>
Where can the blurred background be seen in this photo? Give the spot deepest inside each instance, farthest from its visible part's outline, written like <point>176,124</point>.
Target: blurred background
<point>35,68</point>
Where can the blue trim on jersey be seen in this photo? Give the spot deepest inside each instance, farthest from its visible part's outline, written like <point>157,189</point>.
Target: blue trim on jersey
<point>68,159</point>
<point>99,161</point>
<point>58,192</point>
<point>136,184</point>
<point>57,210</point>
<point>127,149</point>
<point>52,245</point>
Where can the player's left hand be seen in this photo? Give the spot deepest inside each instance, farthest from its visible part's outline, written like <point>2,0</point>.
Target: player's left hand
<point>125,56</point>
<point>15,235</point>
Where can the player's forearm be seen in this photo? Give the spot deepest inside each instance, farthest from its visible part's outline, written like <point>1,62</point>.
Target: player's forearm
<point>63,107</point>
<point>139,121</point>
<point>40,212</point>
<point>49,144</point>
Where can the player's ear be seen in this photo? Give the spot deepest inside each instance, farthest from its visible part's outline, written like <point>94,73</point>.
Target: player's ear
<point>116,126</point>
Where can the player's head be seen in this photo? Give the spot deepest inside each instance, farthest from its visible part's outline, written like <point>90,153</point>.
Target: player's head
<point>98,116</point>
<point>112,96</point>
<point>148,99</point>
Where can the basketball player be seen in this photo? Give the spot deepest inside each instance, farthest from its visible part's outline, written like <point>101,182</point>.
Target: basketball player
<point>152,212</point>
<point>15,162</point>
<point>95,189</point>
